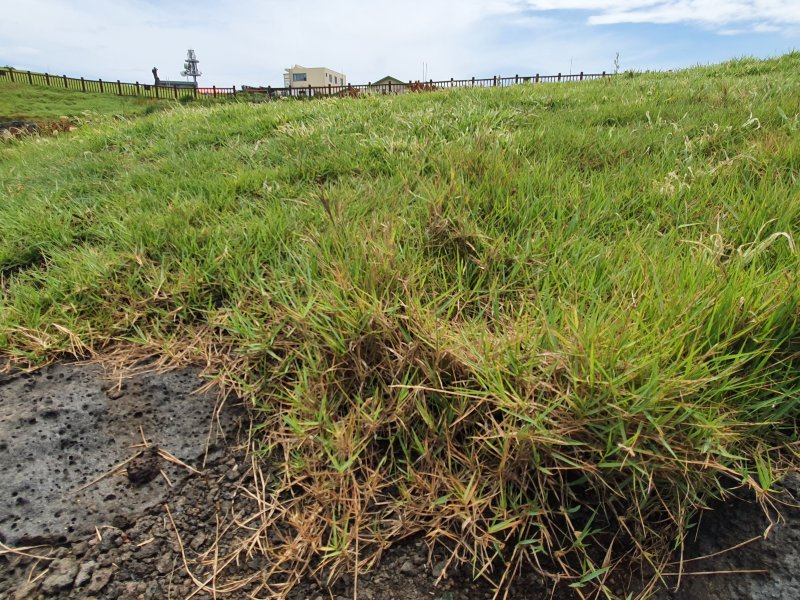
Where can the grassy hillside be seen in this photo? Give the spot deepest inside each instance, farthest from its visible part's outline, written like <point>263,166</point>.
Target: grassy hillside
<point>26,102</point>
<point>540,322</point>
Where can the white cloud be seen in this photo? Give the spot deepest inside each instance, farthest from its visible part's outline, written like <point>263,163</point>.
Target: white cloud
<point>252,41</point>
<point>709,12</point>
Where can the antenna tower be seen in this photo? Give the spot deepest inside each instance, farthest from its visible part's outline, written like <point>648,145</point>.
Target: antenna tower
<point>190,66</point>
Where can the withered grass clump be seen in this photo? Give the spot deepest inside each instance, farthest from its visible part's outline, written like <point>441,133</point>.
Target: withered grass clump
<point>540,326</point>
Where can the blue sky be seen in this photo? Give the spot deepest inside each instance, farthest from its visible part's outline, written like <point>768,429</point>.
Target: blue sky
<point>252,41</point>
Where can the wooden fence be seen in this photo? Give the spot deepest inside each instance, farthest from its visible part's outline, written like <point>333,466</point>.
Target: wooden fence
<point>418,86</point>
<point>117,87</point>
<point>175,92</point>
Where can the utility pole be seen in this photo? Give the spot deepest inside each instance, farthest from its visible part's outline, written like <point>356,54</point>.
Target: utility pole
<point>190,66</point>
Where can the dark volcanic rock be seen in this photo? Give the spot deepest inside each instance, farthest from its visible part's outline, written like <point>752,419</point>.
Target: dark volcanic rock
<point>62,574</point>
<point>145,467</point>
<point>61,432</point>
<point>767,567</point>
<point>16,128</point>
<point>99,580</point>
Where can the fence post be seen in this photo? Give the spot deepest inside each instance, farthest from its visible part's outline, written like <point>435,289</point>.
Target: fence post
<point>516,78</point>
<point>119,88</point>
<point>581,75</point>
<point>537,78</point>
<point>11,73</point>
<point>604,74</point>
<point>137,88</point>
<point>175,90</point>
<point>30,78</point>
<point>494,81</point>
<point>47,78</point>
<point>234,91</point>
<point>213,87</point>
<point>194,91</point>
<point>473,82</point>
<point>269,91</point>
<point>83,85</point>
<point>309,90</point>
<point>65,80</point>
<point>156,88</point>
<point>101,86</point>
<point>559,76</point>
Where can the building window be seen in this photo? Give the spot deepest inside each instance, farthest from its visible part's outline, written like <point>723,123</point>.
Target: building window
<point>299,77</point>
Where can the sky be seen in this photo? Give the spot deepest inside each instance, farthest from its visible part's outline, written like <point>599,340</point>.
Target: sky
<point>252,41</point>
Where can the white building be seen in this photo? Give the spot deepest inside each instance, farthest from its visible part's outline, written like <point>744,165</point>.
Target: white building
<point>302,77</point>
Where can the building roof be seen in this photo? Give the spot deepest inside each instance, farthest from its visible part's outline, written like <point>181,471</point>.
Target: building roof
<point>387,79</point>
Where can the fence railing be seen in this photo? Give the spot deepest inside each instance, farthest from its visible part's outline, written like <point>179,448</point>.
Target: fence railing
<point>165,91</point>
<point>416,86</point>
<point>117,87</point>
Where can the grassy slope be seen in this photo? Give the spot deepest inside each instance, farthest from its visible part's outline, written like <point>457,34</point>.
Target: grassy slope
<point>512,314</point>
<point>21,101</point>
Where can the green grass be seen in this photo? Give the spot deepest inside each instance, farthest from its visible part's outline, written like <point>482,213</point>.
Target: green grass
<point>26,102</point>
<point>539,322</point>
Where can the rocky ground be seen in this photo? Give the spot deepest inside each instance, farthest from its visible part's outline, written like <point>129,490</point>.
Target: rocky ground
<point>15,128</point>
<point>765,568</point>
<point>97,524</point>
